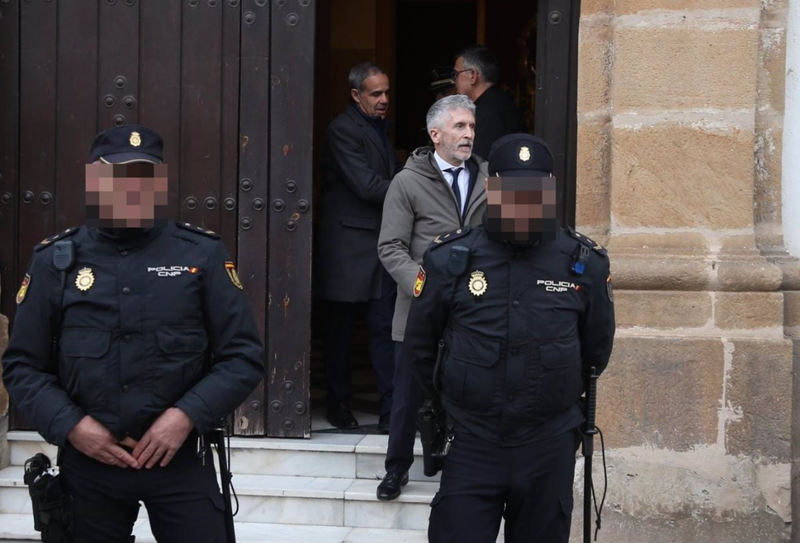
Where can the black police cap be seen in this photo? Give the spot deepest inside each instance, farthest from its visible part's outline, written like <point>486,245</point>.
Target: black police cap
<point>441,78</point>
<point>520,155</point>
<point>126,144</point>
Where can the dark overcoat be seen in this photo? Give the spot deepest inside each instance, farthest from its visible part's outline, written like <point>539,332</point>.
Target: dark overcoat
<point>357,170</point>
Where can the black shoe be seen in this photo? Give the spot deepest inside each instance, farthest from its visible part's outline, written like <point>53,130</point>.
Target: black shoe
<point>340,416</point>
<point>389,489</point>
<point>383,423</point>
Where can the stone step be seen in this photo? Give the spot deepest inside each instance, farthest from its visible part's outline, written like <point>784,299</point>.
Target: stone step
<point>290,500</point>
<point>347,456</point>
<point>19,529</point>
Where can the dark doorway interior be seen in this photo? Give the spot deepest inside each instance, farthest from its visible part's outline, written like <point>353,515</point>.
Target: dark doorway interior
<point>408,38</point>
<point>429,35</point>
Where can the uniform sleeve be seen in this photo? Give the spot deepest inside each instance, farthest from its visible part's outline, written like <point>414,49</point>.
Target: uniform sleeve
<point>350,162</point>
<point>394,242</point>
<point>597,326</point>
<point>29,369</point>
<point>237,349</point>
<point>427,320</point>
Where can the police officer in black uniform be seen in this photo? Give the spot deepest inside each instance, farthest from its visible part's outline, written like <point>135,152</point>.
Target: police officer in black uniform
<point>524,309</point>
<point>154,345</point>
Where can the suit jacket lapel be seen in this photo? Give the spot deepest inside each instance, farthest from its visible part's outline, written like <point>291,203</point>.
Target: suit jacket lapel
<point>373,136</point>
<point>476,188</point>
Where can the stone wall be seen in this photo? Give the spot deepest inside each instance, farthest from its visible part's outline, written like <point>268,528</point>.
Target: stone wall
<point>680,113</point>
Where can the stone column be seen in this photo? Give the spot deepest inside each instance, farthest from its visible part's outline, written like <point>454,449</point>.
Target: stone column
<point>680,116</point>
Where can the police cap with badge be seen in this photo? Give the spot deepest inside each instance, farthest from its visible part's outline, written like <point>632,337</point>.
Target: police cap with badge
<point>520,155</point>
<point>128,144</point>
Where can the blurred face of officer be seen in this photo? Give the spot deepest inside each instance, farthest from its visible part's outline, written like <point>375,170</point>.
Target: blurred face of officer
<point>126,195</point>
<point>373,98</point>
<point>522,209</point>
<point>453,140</point>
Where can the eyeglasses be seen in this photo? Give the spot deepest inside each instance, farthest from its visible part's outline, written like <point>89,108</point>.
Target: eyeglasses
<point>455,73</point>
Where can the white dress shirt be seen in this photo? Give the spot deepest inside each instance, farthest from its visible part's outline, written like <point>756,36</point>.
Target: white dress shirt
<point>463,177</point>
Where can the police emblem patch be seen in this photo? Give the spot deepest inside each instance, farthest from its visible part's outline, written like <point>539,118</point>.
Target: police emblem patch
<point>23,288</point>
<point>136,139</point>
<point>85,279</point>
<point>524,154</point>
<point>230,267</point>
<point>419,284</point>
<point>610,289</point>
<point>477,283</point>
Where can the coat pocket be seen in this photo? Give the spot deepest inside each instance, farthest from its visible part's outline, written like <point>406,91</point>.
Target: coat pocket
<point>360,223</point>
<point>469,376</point>
<point>561,382</point>
<point>180,365</point>
<point>82,370</point>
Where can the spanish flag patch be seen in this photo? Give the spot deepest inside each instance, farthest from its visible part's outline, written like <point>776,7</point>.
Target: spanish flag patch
<point>230,267</point>
<point>419,284</point>
<point>23,289</point>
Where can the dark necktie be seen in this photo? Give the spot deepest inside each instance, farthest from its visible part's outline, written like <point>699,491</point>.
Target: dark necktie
<point>456,190</point>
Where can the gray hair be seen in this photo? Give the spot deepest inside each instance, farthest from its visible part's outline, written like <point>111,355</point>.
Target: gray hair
<point>443,108</point>
<point>483,60</point>
<point>360,72</point>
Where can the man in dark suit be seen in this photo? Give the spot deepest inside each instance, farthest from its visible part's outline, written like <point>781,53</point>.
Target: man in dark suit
<point>476,74</point>
<point>358,167</point>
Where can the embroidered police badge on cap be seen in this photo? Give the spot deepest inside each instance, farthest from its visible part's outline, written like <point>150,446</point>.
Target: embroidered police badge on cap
<point>524,153</point>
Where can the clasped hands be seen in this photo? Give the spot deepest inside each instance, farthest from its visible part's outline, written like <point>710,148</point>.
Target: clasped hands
<point>159,444</point>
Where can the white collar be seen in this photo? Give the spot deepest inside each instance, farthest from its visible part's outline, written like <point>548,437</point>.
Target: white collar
<point>443,164</point>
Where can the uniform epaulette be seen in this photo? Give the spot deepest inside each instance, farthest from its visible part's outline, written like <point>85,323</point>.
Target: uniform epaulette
<point>588,242</point>
<point>61,235</point>
<point>447,238</point>
<point>198,230</point>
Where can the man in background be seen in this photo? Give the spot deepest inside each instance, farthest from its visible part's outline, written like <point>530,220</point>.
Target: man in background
<point>476,74</point>
<point>358,166</point>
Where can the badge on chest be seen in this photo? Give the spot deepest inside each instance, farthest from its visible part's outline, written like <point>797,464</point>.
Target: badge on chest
<point>85,279</point>
<point>477,283</point>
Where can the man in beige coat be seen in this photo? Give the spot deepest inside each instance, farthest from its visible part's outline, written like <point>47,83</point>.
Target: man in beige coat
<point>440,190</point>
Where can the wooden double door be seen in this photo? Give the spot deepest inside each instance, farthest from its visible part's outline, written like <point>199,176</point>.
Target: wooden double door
<point>229,84</point>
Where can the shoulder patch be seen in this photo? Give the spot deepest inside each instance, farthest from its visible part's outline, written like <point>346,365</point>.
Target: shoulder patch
<point>596,247</point>
<point>447,238</point>
<point>198,230</point>
<point>61,235</point>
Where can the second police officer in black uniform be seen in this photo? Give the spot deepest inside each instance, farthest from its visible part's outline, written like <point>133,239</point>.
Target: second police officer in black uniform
<point>524,309</point>
<point>156,343</point>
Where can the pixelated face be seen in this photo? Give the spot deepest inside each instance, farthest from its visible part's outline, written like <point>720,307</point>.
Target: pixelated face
<point>454,140</point>
<point>374,99</point>
<point>462,78</point>
<point>522,208</point>
<point>126,195</point>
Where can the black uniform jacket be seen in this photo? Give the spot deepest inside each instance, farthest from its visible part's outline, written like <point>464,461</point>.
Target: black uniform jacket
<point>520,330</point>
<point>136,338</point>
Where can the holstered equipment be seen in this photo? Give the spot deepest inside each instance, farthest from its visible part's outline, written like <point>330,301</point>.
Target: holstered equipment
<point>51,507</point>
<point>435,434</point>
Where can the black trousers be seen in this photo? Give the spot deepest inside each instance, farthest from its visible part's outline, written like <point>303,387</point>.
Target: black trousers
<point>408,398</point>
<point>183,499</point>
<point>339,323</point>
<point>530,485</point>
